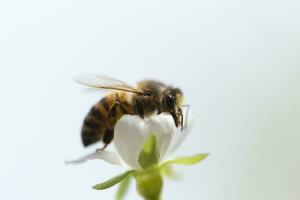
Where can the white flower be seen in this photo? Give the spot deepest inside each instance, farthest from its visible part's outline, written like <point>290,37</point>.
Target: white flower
<point>131,132</point>
<point>142,145</point>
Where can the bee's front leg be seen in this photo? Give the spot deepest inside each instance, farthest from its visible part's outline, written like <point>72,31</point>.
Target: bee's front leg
<point>180,117</point>
<point>139,109</point>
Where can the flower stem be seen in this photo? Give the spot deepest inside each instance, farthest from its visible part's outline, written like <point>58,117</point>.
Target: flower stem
<point>149,184</point>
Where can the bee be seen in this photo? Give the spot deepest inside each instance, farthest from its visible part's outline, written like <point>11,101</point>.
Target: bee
<point>147,98</point>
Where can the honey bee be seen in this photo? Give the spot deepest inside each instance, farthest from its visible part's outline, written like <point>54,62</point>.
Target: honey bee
<point>147,98</point>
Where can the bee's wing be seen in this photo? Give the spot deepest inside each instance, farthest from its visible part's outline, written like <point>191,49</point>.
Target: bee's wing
<point>105,82</point>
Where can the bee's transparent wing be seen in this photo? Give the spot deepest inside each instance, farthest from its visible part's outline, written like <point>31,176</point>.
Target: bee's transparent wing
<point>105,82</point>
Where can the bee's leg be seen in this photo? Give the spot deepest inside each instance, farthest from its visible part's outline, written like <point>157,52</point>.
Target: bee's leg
<point>123,109</point>
<point>115,109</point>
<point>111,118</point>
<point>109,132</point>
<point>102,149</point>
<point>180,117</point>
<point>159,110</point>
<point>139,109</point>
<point>108,136</point>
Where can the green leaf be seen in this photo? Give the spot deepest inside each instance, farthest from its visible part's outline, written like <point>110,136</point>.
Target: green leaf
<point>123,188</point>
<point>149,155</point>
<point>189,160</point>
<point>112,182</point>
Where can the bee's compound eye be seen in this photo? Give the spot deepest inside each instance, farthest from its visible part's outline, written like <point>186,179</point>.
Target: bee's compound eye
<point>169,101</point>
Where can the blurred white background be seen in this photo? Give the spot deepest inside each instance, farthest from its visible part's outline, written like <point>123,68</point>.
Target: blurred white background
<point>237,62</point>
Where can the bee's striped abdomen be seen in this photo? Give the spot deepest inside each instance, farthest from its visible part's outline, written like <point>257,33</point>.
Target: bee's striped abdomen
<point>100,121</point>
<point>95,123</point>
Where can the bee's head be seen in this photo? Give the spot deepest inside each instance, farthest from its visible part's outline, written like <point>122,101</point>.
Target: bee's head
<point>171,101</point>
<point>171,98</point>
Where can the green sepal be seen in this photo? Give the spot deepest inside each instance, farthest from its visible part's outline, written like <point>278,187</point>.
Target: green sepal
<point>188,160</point>
<point>168,171</point>
<point>113,181</point>
<point>123,187</point>
<point>149,155</point>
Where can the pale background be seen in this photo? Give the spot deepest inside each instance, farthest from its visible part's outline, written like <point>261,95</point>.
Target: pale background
<point>237,62</point>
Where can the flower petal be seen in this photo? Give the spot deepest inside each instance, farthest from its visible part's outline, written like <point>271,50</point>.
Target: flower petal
<point>129,136</point>
<point>131,131</point>
<point>179,135</point>
<point>163,127</point>
<point>107,156</point>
